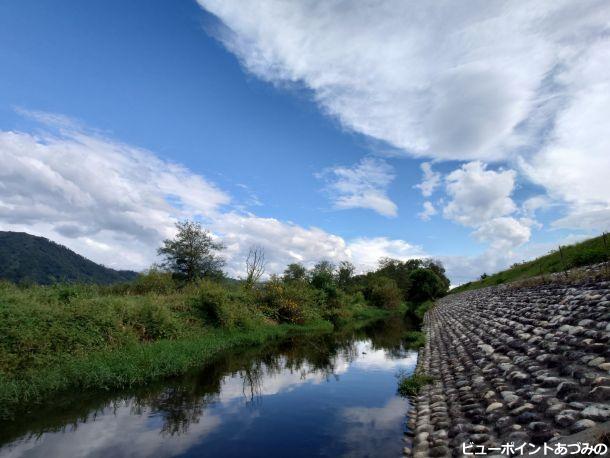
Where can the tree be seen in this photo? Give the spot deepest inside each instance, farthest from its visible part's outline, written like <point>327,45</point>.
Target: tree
<point>192,253</point>
<point>295,272</point>
<point>255,265</point>
<point>437,267</point>
<point>382,292</point>
<point>425,285</point>
<point>322,275</point>
<point>345,272</point>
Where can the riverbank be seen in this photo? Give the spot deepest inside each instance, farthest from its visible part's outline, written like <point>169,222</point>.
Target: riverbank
<point>312,394</point>
<point>525,363</point>
<point>68,338</point>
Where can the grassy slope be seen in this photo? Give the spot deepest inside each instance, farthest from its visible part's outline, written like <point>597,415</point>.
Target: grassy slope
<point>588,252</point>
<point>54,339</point>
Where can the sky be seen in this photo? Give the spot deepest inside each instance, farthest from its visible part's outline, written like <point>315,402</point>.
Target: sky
<point>474,133</point>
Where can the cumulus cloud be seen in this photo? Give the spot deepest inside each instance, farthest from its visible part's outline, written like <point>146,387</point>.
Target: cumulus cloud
<point>101,193</point>
<point>573,165</point>
<point>368,251</point>
<point>478,194</point>
<point>284,243</point>
<point>364,185</point>
<point>503,232</point>
<point>481,198</point>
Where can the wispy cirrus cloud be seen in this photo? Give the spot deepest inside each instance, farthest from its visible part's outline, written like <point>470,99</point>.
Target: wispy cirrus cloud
<point>475,81</point>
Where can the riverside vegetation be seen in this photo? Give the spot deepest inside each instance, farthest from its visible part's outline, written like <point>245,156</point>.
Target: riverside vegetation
<point>63,337</point>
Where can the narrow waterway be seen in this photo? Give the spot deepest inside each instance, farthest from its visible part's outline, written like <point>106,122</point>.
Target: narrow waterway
<point>326,395</point>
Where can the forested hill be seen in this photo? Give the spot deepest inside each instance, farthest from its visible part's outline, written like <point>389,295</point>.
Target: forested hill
<point>28,258</point>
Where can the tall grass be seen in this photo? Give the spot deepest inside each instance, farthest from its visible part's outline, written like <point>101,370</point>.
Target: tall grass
<point>79,337</point>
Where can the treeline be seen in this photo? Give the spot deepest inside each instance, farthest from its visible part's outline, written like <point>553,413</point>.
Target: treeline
<point>192,261</point>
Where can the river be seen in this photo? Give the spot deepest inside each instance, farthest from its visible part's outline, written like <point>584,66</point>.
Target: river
<point>324,395</point>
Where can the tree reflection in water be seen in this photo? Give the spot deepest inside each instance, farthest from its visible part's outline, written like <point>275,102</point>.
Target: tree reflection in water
<point>182,401</point>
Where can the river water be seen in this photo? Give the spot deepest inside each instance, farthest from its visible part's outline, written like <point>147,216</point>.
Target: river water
<point>326,395</point>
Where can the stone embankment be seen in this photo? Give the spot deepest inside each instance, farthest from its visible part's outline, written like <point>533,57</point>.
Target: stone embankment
<point>513,364</point>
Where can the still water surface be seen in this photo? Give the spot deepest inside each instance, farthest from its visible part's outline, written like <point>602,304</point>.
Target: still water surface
<point>326,395</point>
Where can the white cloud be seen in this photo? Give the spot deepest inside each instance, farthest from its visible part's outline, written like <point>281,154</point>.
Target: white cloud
<point>431,180</point>
<point>284,243</point>
<point>361,186</point>
<point>472,81</point>
<point>532,204</point>
<point>574,164</point>
<point>478,195</point>
<point>428,211</point>
<point>93,193</point>
<point>367,251</point>
<point>503,232</point>
<point>115,203</point>
<point>481,198</point>
<point>446,81</point>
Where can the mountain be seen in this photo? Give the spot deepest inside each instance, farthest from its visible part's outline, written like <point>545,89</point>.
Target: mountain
<point>28,258</point>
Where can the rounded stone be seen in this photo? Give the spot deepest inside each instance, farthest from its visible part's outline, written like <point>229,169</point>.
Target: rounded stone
<point>581,425</point>
<point>494,406</point>
<point>600,412</point>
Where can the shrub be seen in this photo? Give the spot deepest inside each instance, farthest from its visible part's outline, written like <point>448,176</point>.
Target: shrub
<point>422,308</point>
<point>383,293</point>
<point>221,306</point>
<point>289,302</point>
<point>153,321</point>
<point>153,281</point>
<point>65,292</point>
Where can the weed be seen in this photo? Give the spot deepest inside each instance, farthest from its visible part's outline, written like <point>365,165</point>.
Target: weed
<point>410,385</point>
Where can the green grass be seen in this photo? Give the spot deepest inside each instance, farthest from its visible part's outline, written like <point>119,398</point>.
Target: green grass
<point>410,385</point>
<point>415,339</point>
<point>134,364</point>
<point>57,339</point>
<point>590,251</point>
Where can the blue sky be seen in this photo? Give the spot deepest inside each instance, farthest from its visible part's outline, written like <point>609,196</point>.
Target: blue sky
<point>304,128</point>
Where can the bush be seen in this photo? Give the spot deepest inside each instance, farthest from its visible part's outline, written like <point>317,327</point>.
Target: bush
<point>289,302</point>
<point>153,321</point>
<point>65,293</point>
<point>383,293</point>
<point>153,281</point>
<point>588,256</point>
<point>221,306</point>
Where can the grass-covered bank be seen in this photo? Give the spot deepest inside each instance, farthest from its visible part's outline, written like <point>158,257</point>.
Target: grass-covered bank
<point>590,251</point>
<point>134,364</point>
<point>75,337</point>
